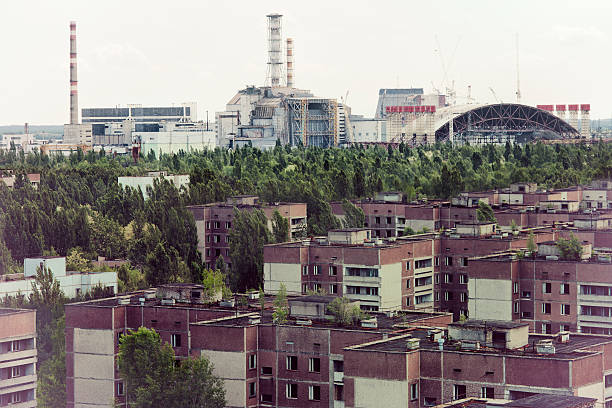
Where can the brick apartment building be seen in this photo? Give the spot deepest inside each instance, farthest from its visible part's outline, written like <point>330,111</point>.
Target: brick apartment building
<point>261,363</point>
<point>548,293</point>
<point>411,359</point>
<point>18,357</point>
<point>214,222</point>
<point>410,272</point>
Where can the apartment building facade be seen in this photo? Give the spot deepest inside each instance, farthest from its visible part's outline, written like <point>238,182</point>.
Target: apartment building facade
<point>214,222</point>
<point>384,275</point>
<point>549,294</point>
<point>298,363</point>
<point>18,358</point>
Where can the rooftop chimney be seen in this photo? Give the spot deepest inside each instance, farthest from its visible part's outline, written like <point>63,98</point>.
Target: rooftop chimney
<point>74,97</point>
<point>289,62</point>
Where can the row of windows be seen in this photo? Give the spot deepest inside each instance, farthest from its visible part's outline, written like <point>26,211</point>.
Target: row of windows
<point>318,287</point>
<point>314,364</point>
<point>217,252</point>
<point>547,328</point>
<point>316,270</point>
<point>217,224</point>
<point>547,307</point>
<point>217,238</point>
<point>564,288</point>
<point>314,392</point>
<point>596,290</point>
<point>362,290</point>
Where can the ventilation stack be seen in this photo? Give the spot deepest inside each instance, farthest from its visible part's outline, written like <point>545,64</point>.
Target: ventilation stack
<point>573,116</point>
<point>275,63</point>
<point>74,96</point>
<point>585,121</point>
<point>289,62</point>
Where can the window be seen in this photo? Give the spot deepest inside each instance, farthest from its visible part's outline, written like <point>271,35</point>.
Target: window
<point>414,391</point>
<point>175,340</point>
<point>15,345</point>
<point>15,398</point>
<point>423,263</point>
<point>526,294</point>
<point>120,390</point>
<point>266,370</point>
<point>333,289</point>
<point>292,391</point>
<point>565,309</point>
<point>430,402</point>
<point>317,270</point>
<point>228,224</point>
<point>463,279</point>
<point>314,393</point>
<point>546,287</point>
<point>316,287</point>
<point>207,224</point>
<point>304,288</point>
<point>292,363</point>
<point>217,225</point>
<point>515,287</point>
<point>565,327</point>
<point>546,308</point>
<point>448,278</point>
<point>437,261</point>
<point>216,238</point>
<point>546,328</point>
<point>526,315</point>
<point>408,284</point>
<point>333,270</point>
<point>252,390</point>
<point>565,289</point>
<point>448,295</point>
<point>516,307</point>
<point>377,220</point>
<point>437,278</point>
<point>407,265</point>
<point>208,238</point>
<point>252,361</point>
<point>487,392</point>
<point>459,391</point>
<point>437,296</point>
<point>227,238</point>
<point>462,297</point>
<point>388,220</point>
<point>448,261</point>
<point>314,365</point>
<point>407,301</point>
<point>608,380</point>
<point>16,372</point>
<point>463,261</point>
<point>305,270</point>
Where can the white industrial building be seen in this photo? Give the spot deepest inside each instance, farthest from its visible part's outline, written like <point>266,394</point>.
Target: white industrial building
<point>368,130</point>
<point>142,182</point>
<point>72,283</point>
<point>175,137</point>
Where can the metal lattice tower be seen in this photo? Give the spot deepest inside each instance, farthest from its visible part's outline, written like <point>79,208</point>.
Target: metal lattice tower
<point>275,56</point>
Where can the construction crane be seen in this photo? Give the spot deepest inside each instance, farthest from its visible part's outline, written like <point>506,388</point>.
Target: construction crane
<point>518,78</point>
<point>450,90</point>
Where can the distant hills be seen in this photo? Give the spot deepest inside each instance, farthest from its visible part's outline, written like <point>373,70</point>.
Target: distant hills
<point>35,129</point>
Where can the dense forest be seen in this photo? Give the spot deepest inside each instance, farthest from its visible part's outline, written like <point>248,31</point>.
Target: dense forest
<point>80,210</point>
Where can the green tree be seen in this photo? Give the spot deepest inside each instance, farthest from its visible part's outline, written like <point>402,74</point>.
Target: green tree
<point>345,312</point>
<point>485,213</point>
<point>129,279</point>
<point>353,215</point>
<point>571,248</point>
<point>248,236</point>
<point>165,265</point>
<point>51,388</point>
<point>75,261</point>
<point>281,308</point>
<point>280,227</point>
<point>107,238</point>
<point>153,379</point>
<point>531,245</point>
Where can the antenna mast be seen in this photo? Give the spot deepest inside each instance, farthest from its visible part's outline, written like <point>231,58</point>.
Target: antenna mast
<point>518,79</point>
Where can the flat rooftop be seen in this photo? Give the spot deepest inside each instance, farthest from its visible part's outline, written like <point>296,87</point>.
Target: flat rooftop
<point>576,348</point>
<point>492,324</point>
<point>551,401</point>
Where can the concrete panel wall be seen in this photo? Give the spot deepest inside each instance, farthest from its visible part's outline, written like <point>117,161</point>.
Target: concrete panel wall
<point>370,392</point>
<point>277,273</point>
<point>231,367</point>
<point>490,299</point>
<point>94,367</point>
<point>391,286</point>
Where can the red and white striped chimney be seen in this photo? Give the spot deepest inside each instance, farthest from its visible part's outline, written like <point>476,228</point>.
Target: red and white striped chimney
<point>289,62</point>
<point>74,95</point>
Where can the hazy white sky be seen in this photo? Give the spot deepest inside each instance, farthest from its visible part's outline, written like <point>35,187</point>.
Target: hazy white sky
<point>163,52</point>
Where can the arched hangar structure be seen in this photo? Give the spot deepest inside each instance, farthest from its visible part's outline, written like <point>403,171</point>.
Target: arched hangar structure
<point>500,122</point>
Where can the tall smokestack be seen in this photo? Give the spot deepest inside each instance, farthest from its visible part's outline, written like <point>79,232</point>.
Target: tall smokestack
<point>74,96</point>
<point>290,62</point>
<point>275,63</point>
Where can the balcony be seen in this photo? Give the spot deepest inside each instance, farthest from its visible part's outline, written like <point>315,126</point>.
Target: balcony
<point>362,279</point>
<point>338,404</point>
<point>369,298</point>
<point>15,381</point>
<point>338,376</point>
<point>17,355</point>
<point>25,404</point>
<point>595,319</point>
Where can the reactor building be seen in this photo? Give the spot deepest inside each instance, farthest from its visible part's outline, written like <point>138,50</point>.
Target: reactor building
<point>259,116</point>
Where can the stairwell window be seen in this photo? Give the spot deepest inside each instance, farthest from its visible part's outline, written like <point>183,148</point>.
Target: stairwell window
<point>314,393</point>
<point>414,391</point>
<point>292,391</point>
<point>175,340</point>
